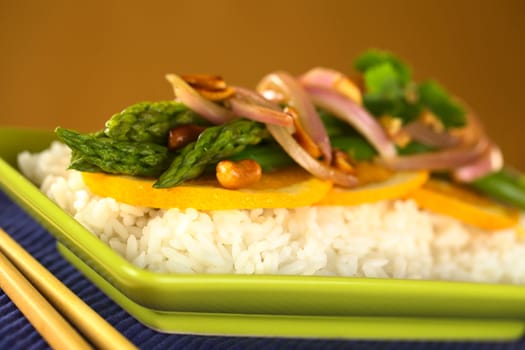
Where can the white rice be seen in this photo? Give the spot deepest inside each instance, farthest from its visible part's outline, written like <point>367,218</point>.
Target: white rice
<point>388,239</point>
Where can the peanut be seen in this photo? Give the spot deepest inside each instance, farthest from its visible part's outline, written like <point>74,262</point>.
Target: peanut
<point>216,95</point>
<point>211,87</point>
<point>181,135</point>
<point>300,135</point>
<point>343,162</point>
<point>394,128</point>
<point>205,81</point>
<point>241,174</point>
<point>348,88</point>
<point>430,118</point>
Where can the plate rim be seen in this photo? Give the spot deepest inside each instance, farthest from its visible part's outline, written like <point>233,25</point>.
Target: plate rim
<point>138,283</point>
<point>305,326</point>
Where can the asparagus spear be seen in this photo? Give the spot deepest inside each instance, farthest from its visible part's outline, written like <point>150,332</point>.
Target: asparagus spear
<point>80,163</point>
<point>214,144</point>
<point>269,156</point>
<point>96,153</point>
<point>505,185</point>
<point>149,121</point>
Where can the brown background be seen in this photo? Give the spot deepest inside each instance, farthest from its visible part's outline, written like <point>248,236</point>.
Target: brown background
<point>74,63</point>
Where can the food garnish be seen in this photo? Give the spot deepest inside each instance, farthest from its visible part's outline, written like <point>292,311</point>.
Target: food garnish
<point>183,135</point>
<point>236,175</point>
<point>150,122</point>
<point>214,144</point>
<point>443,197</point>
<point>398,185</point>
<point>290,187</point>
<point>379,137</point>
<point>97,152</point>
<point>281,87</point>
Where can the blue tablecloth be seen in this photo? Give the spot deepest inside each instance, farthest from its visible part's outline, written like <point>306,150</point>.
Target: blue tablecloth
<point>17,333</point>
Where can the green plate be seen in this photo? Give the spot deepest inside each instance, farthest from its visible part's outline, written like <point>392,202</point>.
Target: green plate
<point>271,305</point>
<point>363,327</point>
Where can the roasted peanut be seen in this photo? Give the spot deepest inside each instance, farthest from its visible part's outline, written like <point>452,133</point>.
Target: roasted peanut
<point>241,174</point>
<point>348,88</point>
<point>430,119</point>
<point>368,172</point>
<point>343,162</point>
<point>402,138</point>
<point>205,81</point>
<point>394,128</point>
<point>392,125</point>
<point>302,138</point>
<point>216,95</point>
<point>211,87</point>
<point>181,135</point>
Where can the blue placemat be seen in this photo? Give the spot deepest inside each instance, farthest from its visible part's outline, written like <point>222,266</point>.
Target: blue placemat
<point>17,333</point>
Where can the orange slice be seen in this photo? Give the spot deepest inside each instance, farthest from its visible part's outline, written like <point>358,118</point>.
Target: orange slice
<point>396,186</point>
<point>467,206</point>
<point>287,188</point>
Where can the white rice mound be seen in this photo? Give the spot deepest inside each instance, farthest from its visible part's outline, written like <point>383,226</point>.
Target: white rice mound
<point>388,239</point>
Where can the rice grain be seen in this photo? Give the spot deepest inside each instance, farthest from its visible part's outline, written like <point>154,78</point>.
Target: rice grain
<point>388,239</point>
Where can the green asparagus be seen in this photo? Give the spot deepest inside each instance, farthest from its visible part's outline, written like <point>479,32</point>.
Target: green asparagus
<point>269,156</point>
<point>214,144</point>
<point>80,163</point>
<point>505,185</point>
<point>150,121</point>
<point>356,146</point>
<point>95,153</point>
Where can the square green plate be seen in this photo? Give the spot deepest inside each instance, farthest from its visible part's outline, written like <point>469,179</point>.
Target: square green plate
<point>265,304</point>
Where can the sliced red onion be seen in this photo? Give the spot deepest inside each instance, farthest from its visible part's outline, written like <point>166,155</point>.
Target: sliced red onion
<point>425,134</point>
<point>322,77</point>
<point>472,131</point>
<point>260,114</point>
<point>473,144</point>
<point>331,79</point>
<point>491,160</point>
<point>349,111</point>
<point>253,97</point>
<point>447,159</point>
<point>284,86</point>
<point>249,104</point>
<point>186,94</point>
<point>312,165</point>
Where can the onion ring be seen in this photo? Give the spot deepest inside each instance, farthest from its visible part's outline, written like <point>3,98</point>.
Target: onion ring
<point>331,79</point>
<point>473,143</point>
<point>251,105</point>
<point>491,160</point>
<point>447,159</point>
<point>307,162</point>
<point>425,134</point>
<point>349,111</point>
<point>186,94</point>
<point>286,88</point>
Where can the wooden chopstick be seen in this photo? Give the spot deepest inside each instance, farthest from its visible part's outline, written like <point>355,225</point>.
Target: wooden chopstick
<point>47,321</point>
<point>97,330</point>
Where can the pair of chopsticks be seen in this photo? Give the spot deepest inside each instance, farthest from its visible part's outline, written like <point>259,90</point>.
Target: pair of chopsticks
<point>43,299</point>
